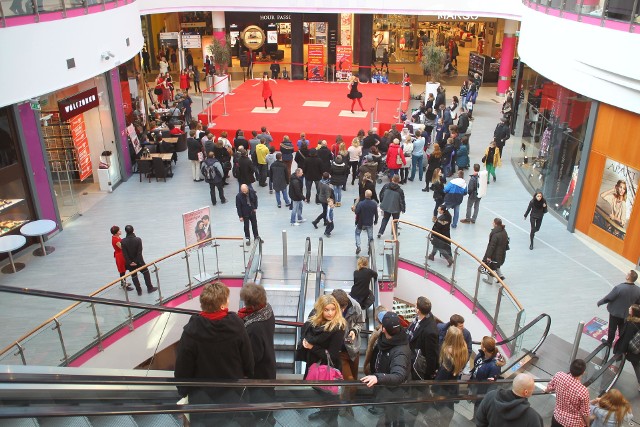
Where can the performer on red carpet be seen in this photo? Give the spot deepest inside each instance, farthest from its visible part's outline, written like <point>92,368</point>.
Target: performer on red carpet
<point>354,94</point>
<point>266,89</point>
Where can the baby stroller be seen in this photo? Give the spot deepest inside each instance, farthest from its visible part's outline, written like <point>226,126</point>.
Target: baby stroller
<point>450,69</point>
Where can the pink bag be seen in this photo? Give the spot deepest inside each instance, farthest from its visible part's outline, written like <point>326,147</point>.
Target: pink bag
<point>318,372</point>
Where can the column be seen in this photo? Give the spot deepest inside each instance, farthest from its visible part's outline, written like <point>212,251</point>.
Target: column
<point>219,27</point>
<point>365,42</point>
<point>297,47</point>
<point>508,51</point>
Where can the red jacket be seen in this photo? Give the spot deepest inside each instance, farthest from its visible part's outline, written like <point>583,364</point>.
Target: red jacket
<point>394,150</point>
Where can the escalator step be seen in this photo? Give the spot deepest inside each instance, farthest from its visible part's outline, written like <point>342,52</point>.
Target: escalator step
<point>64,422</point>
<point>113,421</point>
<point>155,420</point>
<point>20,422</point>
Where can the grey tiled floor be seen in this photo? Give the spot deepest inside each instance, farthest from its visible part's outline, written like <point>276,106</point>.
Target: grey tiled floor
<point>562,276</point>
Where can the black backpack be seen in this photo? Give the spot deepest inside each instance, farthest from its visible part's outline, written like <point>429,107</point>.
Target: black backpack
<point>210,172</point>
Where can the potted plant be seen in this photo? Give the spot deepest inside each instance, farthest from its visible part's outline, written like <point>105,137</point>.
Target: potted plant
<point>220,52</point>
<point>433,60</point>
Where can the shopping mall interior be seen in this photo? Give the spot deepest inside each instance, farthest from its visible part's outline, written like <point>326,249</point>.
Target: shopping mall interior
<point>103,141</point>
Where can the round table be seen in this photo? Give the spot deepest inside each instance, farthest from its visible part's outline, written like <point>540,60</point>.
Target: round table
<point>8,244</point>
<point>38,229</point>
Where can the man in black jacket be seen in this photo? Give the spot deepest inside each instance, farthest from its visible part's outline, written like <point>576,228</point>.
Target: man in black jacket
<point>325,155</point>
<point>214,346</point>
<point>246,206</point>
<point>509,407</point>
<point>297,197</point>
<point>132,251</point>
<point>463,123</point>
<point>366,217</point>
<point>246,170</point>
<point>423,341</point>
<point>313,173</point>
<point>501,134</point>
<point>391,202</point>
<point>392,366</point>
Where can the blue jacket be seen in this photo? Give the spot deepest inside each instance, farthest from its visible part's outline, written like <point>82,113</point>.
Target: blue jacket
<point>366,213</point>
<point>454,192</point>
<point>442,331</point>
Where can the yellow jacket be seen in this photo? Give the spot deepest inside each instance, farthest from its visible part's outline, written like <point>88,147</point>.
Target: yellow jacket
<point>261,153</point>
<point>497,162</point>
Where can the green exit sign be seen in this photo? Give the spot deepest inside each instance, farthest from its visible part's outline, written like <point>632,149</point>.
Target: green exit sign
<point>35,105</point>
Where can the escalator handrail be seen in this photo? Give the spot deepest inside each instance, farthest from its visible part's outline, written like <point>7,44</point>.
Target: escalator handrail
<point>621,357</point>
<point>595,352</point>
<point>257,246</point>
<point>303,285</point>
<point>319,271</point>
<point>374,283</point>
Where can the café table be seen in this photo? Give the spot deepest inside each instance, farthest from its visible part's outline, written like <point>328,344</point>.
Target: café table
<point>38,229</point>
<point>7,245</point>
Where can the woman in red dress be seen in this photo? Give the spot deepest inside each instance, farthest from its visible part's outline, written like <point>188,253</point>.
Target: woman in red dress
<point>184,81</point>
<point>117,254</point>
<point>266,89</point>
<point>159,89</point>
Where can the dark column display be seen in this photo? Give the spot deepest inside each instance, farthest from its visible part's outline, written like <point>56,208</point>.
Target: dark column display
<point>365,44</point>
<point>334,30</point>
<point>297,47</point>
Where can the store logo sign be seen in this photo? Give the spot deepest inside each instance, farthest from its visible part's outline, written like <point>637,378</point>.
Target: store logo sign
<point>454,17</point>
<point>275,17</point>
<point>78,104</point>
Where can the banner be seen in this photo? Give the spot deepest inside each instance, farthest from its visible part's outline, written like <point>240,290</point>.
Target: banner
<point>197,225</point>
<point>344,58</point>
<point>131,130</point>
<point>616,196</point>
<point>315,62</point>
<point>81,144</point>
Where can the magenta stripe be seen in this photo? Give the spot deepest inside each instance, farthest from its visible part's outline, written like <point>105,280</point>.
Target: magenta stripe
<point>124,329</point>
<point>553,12</point>
<point>570,16</point>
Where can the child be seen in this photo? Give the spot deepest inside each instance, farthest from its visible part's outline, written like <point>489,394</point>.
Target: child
<point>270,158</point>
<point>329,228</point>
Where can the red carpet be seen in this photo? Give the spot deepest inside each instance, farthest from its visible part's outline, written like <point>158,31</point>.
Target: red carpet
<point>293,118</point>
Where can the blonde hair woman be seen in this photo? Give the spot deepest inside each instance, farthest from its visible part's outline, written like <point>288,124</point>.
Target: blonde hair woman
<point>610,410</point>
<point>453,358</point>
<point>361,289</point>
<point>355,152</point>
<point>322,338</point>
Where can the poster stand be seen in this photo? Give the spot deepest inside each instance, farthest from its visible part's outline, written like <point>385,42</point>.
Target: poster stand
<point>203,276</point>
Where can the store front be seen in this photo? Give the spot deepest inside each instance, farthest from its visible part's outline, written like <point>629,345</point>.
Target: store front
<point>553,122</point>
<point>16,203</point>
<point>82,151</point>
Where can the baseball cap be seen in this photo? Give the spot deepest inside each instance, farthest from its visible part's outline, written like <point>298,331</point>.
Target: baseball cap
<point>390,321</point>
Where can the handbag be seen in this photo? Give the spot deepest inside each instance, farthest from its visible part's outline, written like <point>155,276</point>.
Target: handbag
<point>368,301</point>
<point>492,265</point>
<point>318,372</point>
<point>157,90</point>
<point>399,159</point>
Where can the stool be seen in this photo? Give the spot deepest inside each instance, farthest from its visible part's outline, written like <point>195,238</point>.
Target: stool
<point>8,244</point>
<point>38,229</point>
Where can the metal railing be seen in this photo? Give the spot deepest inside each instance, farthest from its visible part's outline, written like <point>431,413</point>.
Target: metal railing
<point>69,333</point>
<point>254,264</point>
<point>622,16</point>
<point>320,283</point>
<point>34,8</point>
<point>495,301</point>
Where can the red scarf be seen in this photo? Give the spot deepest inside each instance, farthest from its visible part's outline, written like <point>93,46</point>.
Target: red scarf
<point>245,311</point>
<point>216,315</point>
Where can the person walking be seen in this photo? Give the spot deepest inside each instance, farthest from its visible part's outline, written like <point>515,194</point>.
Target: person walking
<point>496,252</point>
<point>324,194</point>
<point>195,155</point>
<point>367,183</point>
<point>339,174</point>
<point>286,148</point>
<point>312,173</point>
<point>395,158</point>
<point>366,217</point>
<point>417,156</point>
<point>629,330</point>
<point>117,254</point>
<point>297,197</point>
<point>392,367</point>
<point>454,193</point>
<point>610,410</point>
<point>355,153</point>
<point>280,180</point>
<point>261,161</point>
<point>438,182</point>
<point>473,199</point>
<point>214,346</point>
<point>433,163</point>
<point>503,407</point>
<point>132,252</point>
<point>322,339</point>
<point>537,207</point>
<point>246,206</point>
<point>442,226</point>
<point>246,169</point>
<point>329,225</point>
<point>572,398</point>
<point>361,289</point>
<point>196,80</point>
<point>501,134</point>
<point>618,301</point>
<point>392,202</point>
<point>491,160</point>
<point>213,173</point>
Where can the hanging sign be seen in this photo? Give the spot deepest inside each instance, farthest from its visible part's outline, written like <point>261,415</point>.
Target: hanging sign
<point>343,63</point>
<point>78,104</point>
<point>191,41</point>
<point>315,62</point>
<point>81,144</point>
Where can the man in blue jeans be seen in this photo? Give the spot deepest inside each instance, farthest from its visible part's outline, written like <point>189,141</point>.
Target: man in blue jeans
<point>297,197</point>
<point>417,156</point>
<point>454,193</point>
<point>366,217</point>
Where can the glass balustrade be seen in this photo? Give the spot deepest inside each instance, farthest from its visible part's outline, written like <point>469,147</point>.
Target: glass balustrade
<point>12,8</point>
<point>621,15</point>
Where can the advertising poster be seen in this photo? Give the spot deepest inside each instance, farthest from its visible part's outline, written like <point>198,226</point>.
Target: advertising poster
<point>345,28</point>
<point>596,328</point>
<point>615,198</point>
<point>131,130</point>
<point>81,143</point>
<point>197,225</point>
<point>315,63</point>
<point>343,63</point>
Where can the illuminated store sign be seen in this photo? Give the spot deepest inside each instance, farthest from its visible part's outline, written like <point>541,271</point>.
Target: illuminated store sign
<point>78,104</point>
<point>454,17</point>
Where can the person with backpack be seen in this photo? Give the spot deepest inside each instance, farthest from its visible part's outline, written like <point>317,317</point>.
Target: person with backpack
<point>629,341</point>
<point>618,301</point>
<point>213,173</point>
<point>473,199</point>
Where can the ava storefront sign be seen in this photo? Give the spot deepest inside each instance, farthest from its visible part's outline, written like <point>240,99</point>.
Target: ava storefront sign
<point>456,17</point>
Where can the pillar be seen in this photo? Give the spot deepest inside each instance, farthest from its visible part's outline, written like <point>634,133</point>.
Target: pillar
<point>365,42</point>
<point>506,60</point>
<point>219,27</point>
<point>297,47</point>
